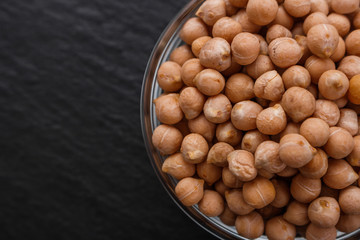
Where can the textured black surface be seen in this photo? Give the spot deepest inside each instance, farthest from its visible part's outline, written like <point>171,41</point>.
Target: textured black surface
<point>73,163</point>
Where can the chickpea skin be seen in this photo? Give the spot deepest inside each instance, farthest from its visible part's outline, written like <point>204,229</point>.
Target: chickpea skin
<point>333,84</point>
<point>218,154</point>
<point>190,190</point>
<point>244,114</point>
<point>259,192</point>
<point>319,6</point>
<point>340,174</point>
<point>269,86</point>
<point>339,51</point>
<point>340,22</point>
<point>297,213</point>
<point>305,189</point>
<point>317,167</point>
<point>327,111</point>
<point>282,196</point>
<point>344,6</point>
<point>167,109</point>
<point>267,157</point>
<point>194,148</point>
<point>340,143</point>
<point>283,18</point>
<point>181,54</point>
<point>212,204</point>
<point>322,40</point>
<point>198,43</point>
<point>285,52</point>
<point>167,139</point>
<point>189,70</point>
<point>354,156</point>
<point>250,225</point>
<point>350,65</point>
<point>177,167</point>
<point>262,12</point>
<point>193,29</point>
<point>279,228</point>
<point>245,48</point>
<point>230,8</point>
<point>229,179</point>
<point>352,43</point>
<point>215,54</point>
<point>272,120</point>
<point>228,217</point>
<point>226,28</point>
<point>252,139</point>
<point>348,223</point>
<point>349,121</point>
<point>314,19</point>
<point>317,66</point>
<point>349,200</point>
<point>236,202</point>
<point>296,76</point>
<point>297,8</point>
<point>211,11</point>
<point>314,232</point>
<point>316,131</point>
<point>261,65</point>
<point>324,212</point>
<point>209,172</point>
<point>191,102</point>
<point>169,76</point>
<point>203,127</point>
<point>209,82</point>
<point>242,165</point>
<point>217,109</point>
<point>226,132</point>
<point>277,31</point>
<point>239,87</point>
<point>354,92</point>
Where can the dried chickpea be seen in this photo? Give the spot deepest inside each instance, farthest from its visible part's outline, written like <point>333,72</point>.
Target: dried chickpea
<point>218,154</point>
<point>324,212</point>
<point>349,200</point>
<point>314,19</point>
<point>269,211</point>
<point>215,54</point>
<point>317,66</point>
<point>226,132</point>
<point>339,51</point>
<point>269,86</point>
<point>250,225</point>
<point>305,189</point>
<point>354,92</point>
<point>283,18</point>
<point>229,179</point>
<point>259,192</point>
<point>209,172</point>
<point>349,121</point>
<point>244,114</point>
<point>297,213</point>
<point>317,167</point>
<point>181,54</point>
<point>245,48</point>
<point>190,190</point>
<point>340,174</point>
<point>230,9</point>
<point>340,22</point>
<point>322,40</point>
<point>242,165</point>
<point>228,217</point>
<point>333,84</point>
<point>194,148</point>
<point>314,232</point>
<point>350,65</point>
<point>189,70</point>
<point>313,90</point>
<point>236,202</point>
<point>167,139</point>
<point>193,29</point>
<point>285,52</point>
<point>263,45</point>
<point>212,204</point>
<point>340,143</point>
<point>177,167</point>
<point>277,31</point>
<point>354,157</point>
<point>297,8</point>
<point>297,29</point>
<point>217,109</point>
<point>279,228</point>
<point>348,223</point>
<point>298,103</point>
<point>288,172</point>
<point>319,6</point>
<point>211,11</point>
<point>356,20</point>
<point>267,157</point>
<point>262,12</point>
<point>261,65</point>
<point>167,109</point>
<point>266,174</point>
<point>239,87</point>
<point>316,131</point>
<point>302,41</point>
<point>352,43</point>
<point>243,19</point>
<point>290,128</point>
<point>233,69</point>
<point>221,188</point>
<point>169,76</point>
<point>344,6</point>
<point>239,3</point>
<point>191,102</point>
<point>252,139</point>
<point>282,196</point>
<point>296,76</point>
<point>203,127</point>
<point>209,82</point>
<point>327,111</point>
<point>226,28</point>
<point>263,102</point>
<point>272,120</point>
<point>198,43</point>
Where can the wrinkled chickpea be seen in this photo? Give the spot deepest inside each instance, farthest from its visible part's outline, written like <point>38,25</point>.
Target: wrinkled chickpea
<point>194,148</point>
<point>322,40</point>
<point>317,167</point>
<point>191,102</point>
<point>262,12</point>
<point>250,225</point>
<point>167,139</point>
<point>242,165</point>
<point>226,28</point>
<point>193,29</point>
<point>226,132</point>
<point>316,131</point>
<point>324,212</point>
<point>181,54</point>
<point>340,143</point>
<point>350,65</point>
<point>239,87</point>
<point>271,120</point>
<point>203,127</point>
<point>190,190</point>
<point>176,166</point>
<point>211,11</point>
<point>215,54</point>
<point>285,52</point>
<point>297,8</point>
<point>245,48</point>
<point>354,157</point>
<point>279,228</point>
<point>236,202</point>
<point>198,43</point>
<point>297,213</point>
<point>209,172</point>
<point>340,174</point>
<point>212,204</point>
<point>218,154</point>
<point>259,192</point>
<point>269,86</point>
<point>252,139</point>
<point>317,66</point>
<point>296,76</point>
<point>267,157</point>
<point>217,109</point>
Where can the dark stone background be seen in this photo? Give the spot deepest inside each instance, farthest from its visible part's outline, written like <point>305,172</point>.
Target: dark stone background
<point>72,159</point>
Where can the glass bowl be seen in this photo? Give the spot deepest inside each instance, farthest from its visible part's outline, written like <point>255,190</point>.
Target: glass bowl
<point>167,42</point>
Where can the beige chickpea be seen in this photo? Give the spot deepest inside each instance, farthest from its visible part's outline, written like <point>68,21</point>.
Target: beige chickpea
<point>266,174</point>
<point>211,11</point>
<point>302,41</point>
<point>317,66</point>
<point>333,84</point>
<point>340,143</point>
<point>243,19</point>
<point>356,20</point>
<point>250,225</point>
<point>167,109</point>
<point>352,43</point>
<point>245,48</point>
<point>193,29</point>
<point>348,223</point>
<point>217,109</point>
<point>314,19</point>
<point>349,121</point>
<point>239,87</point>
<point>167,139</point>
<point>262,12</point>
<point>263,45</point>
<point>285,52</point>
<point>290,128</point>
<point>269,86</point>
<point>221,188</point>
<point>261,65</point>
<point>305,189</point>
<point>319,6</point>
<point>242,165</point>
<point>244,114</point>
<point>194,148</point>
<point>230,8</point>
<point>349,200</point>
<point>296,76</point>
<point>177,167</point>
<point>317,167</point>
<point>226,132</point>
<point>259,192</point>
<point>329,192</point>
<point>297,8</point>
<point>267,157</point>
<point>190,190</point>
<point>324,212</point>
<point>322,40</point>
<point>209,82</point>
<point>226,28</point>
<point>288,172</point>
<point>354,157</point>
<point>344,6</point>
<point>233,69</point>
<point>272,120</point>
<point>209,172</point>
<point>340,22</point>
<point>316,131</point>
<point>191,102</point>
<point>181,54</point>
<point>279,228</point>
<point>236,202</point>
<point>340,51</point>
<point>295,151</point>
<point>314,232</point>
<point>350,65</point>
<point>277,31</point>
<point>218,154</point>
<point>229,179</point>
<point>297,29</point>
<point>215,54</point>
<point>228,217</point>
<point>252,139</point>
<point>313,90</point>
<point>340,174</point>
<point>269,211</point>
<point>212,204</point>
<point>282,196</point>
<point>169,76</point>
<point>297,213</point>
<point>189,70</point>
<point>283,18</point>
<point>298,103</point>
<point>203,127</point>
<point>239,3</point>
<point>327,111</point>
<point>198,43</point>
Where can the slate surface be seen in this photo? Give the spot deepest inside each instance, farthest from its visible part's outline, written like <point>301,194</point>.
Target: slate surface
<point>73,163</point>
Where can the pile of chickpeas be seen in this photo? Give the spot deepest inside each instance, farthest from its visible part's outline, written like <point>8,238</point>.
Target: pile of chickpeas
<point>259,116</point>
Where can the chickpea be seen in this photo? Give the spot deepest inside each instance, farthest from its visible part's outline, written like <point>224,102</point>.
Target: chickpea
<point>279,228</point>
<point>324,212</point>
<point>211,11</point>
<point>317,66</point>
<point>167,109</point>
<point>191,102</point>
<point>269,86</point>
<point>297,29</point>
<point>272,120</point>
<point>329,192</point>
<point>212,204</point>
<point>354,156</point>
<point>340,22</point>
<point>314,19</point>
<point>217,109</point>
<point>322,40</point>
<point>262,12</point>
<point>285,52</point>
<point>226,28</point>
<point>239,3</point>
<point>177,167</point>
<point>339,51</point>
<point>245,48</point>
<point>218,154</point>
<point>266,174</point>
<point>198,43</point>
<point>319,6</point>
<point>352,43</point>
<point>181,54</point>
<point>215,54</point>
<point>354,92</point>
<point>189,70</point>
<point>194,148</point>
<point>314,232</point>
<point>229,179</point>
<point>209,172</point>
<point>259,192</point>
<point>288,172</point>
<point>263,102</point>
<point>340,143</point>
<point>283,18</point>
<point>230,8</point>
<point>203,127</point>
<point>340,174</point>
<point>305,189</point>
<point>190,190</point>
<point>344,6</point>
<point>297,213</point>
<point>297,8</point>
<point>317,167</point>
<point>243,19</point>
<point>277,31</point>
<point>290,128</point>
<point>348,223</point>
<point>327,111</point>
<point>302,41</point>
<point>356,20</point>
<point>233,69</point>
<point>316,131</point>
<point>193,29</point>
<point>269,211</point>
<point>250,225</point>
<point>333,84</point>
<point>226,132</point>
<point>282,196</point>
<point>209,82</point>
<point>295,151</point>
<point>298,103</point>
<point>267,157</point>
<point>228,217</point>
<point>244,114</point>
<point>261,65</point>
<point>167,139</point>
<point>349,121</point>
<point>236,202</point>
<point>169,76</point>
<point>182,126</point>
<point>252,139</point>
<point>263,45</point>
<point>349,200</point>
<point>239,87</point>
<point>296,76</point>
<point>350,65</point>
<point>242,165</point>
<point>221,188</point>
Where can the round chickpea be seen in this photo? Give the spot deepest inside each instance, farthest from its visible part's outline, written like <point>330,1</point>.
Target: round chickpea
<point>259,192</point>
<point>354,157</point>
<point>279,228</point>
<point>297,8</point>
<point>194,148</point>
<point>314,19</point>
<point>252,139</point>
<point>340,51</point>
<point>212,204</point>
<point>352,43</point>
<point>244,114</point>
<point>190,190</point>
<point>333,84</point>
<point>209,172</point>
<point>297,213</point>
<point>245,48</point>
<point>226,132</point>
<point>250,225</point>
<point>272,120</point>
<point>167,109</point>
<point>316,131</point>
<point>285,52</point>
<point>226,28</point>
<point>181,54</point>
<point>167,139</point>
<point>211,11</point>
<point>239,87</point>
<point>236,202</point>
<point>277,31</point>
<point>215,54</point>
<point>354,92</point>
<point>340,143</point>
<point>340,22</point>
<point>191,102</point>
<point>262,12</point>
<point>283,18</point>
<point>177,167</point>
<point>340,174</point>
<point>169,76</point>
<point>327,111</point>
<point>317,167</point>
<point>209,82</point>
<point>324,212</point>
<point>203,127</point>
<point>322,40</point>
<point>189,70</point>
<point>344,6</point>
<point>217,109</point>
<point>193,29</point>
<point>296,76</point>
<point>269,86</point>
<point>349,200</point>
<point>350,65</point>
<point>267,157</point>
<point>317,66</point>
<point>218,154</point>
<point>349,121</point>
